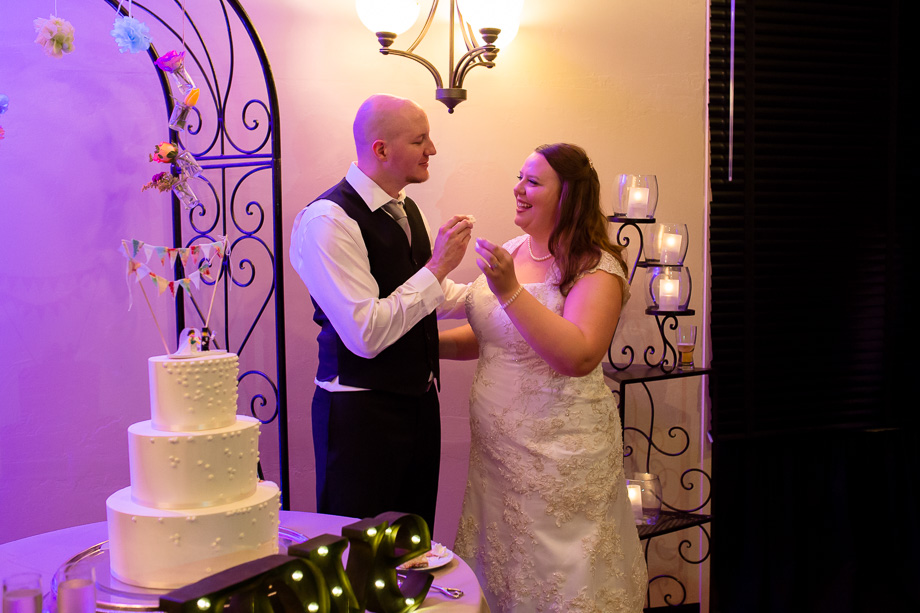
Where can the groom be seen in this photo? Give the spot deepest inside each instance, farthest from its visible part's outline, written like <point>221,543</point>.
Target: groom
<point>363,251</point>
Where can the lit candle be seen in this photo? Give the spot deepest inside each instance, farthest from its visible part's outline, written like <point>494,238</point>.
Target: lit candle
<point>637,202</point>
<point>670,247</point>
<point>635,500</point>
<point>668,292</point>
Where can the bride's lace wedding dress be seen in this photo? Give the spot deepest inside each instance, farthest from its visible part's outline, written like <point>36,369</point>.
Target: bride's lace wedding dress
<point>546,523</point>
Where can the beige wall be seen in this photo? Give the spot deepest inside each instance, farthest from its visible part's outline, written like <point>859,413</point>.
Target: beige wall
<point>626,79</point>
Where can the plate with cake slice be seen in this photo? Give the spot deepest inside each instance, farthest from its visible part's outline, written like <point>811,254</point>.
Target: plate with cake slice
<point>436,557</point>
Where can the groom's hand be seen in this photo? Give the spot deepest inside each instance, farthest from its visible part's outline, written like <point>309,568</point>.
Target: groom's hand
<point>450,246</point>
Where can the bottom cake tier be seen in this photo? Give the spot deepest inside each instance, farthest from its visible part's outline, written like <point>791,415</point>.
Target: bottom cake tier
<point>164,549</point>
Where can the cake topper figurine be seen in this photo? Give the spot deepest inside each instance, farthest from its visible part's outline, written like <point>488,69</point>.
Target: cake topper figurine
<point>205,339</point>
<point>189,343</point>
<point>202,257</point>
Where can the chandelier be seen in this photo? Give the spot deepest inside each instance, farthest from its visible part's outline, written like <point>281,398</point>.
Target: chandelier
<point>389,18</point>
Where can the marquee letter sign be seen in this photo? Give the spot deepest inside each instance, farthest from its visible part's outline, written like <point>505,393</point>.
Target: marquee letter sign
<point>311,577</point>
<point>273,583</point>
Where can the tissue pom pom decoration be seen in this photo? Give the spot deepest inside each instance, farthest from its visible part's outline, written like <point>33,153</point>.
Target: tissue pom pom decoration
<point>131,35</point>
<point>55,35</point>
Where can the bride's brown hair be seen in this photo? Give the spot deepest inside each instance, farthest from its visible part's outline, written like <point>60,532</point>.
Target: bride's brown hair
<point>580,233</point>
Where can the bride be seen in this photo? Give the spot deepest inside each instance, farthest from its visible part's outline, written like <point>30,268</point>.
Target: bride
<point>546,522</point>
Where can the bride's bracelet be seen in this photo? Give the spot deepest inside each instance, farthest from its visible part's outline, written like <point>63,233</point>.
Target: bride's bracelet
<point>514,296</point>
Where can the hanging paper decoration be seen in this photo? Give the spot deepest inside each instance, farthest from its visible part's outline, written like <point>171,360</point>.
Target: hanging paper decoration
<point>183,167</point>
<point>164,153</point>
<point>180,114</point>
<point>204,257</point>
<point>188,165</point>
<point>4,107</point>
<point>173,63</point>
<point>55,35</point>
<point>162,181</point>
<point>170,61</point>
<point>191,99</point>
<point>131,35</point>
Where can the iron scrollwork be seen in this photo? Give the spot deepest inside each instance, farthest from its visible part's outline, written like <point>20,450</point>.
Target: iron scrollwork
<point>232,161</point>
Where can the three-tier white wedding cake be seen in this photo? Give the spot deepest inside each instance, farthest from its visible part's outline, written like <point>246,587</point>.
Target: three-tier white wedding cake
<point>195,506</point>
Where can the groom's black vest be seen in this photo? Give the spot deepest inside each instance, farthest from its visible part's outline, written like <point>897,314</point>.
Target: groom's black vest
<point>404,367</point>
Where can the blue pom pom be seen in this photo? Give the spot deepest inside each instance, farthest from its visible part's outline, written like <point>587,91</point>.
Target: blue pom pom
<point>131,34</point>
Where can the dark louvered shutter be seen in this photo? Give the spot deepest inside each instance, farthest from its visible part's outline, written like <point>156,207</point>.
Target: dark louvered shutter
<point>807,261</point>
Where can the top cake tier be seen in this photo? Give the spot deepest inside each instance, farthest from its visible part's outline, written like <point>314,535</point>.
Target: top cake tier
<point>191,394</point>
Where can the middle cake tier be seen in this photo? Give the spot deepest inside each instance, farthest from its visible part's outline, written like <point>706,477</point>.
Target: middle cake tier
<point>184,470</point>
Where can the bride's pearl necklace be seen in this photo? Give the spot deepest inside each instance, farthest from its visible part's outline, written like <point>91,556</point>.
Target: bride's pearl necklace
<point>535,258</point>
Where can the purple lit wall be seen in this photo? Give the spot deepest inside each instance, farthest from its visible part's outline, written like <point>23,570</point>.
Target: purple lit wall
<point>624,80</point>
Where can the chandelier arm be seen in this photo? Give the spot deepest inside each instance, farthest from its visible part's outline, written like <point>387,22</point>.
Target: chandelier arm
<point>469,38</point>
<point>434,71</point>
<point>469,61</point>
<point>421,35</point>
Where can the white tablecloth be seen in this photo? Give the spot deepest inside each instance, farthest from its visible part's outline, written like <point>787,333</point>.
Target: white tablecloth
<point>44,553</point>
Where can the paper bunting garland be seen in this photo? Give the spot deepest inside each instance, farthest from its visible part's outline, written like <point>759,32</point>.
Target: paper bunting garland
<point>202,256</point>
<point>195,253</point>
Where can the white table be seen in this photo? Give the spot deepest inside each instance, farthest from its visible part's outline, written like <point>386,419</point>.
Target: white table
<point>45,553</point>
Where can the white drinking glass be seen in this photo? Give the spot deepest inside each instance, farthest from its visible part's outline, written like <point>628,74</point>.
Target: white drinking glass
<point>22,593</point>
<point>76,592</point>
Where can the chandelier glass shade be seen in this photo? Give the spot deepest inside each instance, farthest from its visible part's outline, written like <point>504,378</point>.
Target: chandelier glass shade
<point>394,16</point>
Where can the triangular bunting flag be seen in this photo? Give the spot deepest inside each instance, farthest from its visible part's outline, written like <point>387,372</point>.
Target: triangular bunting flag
<point>162,284</point>
<point>162,254</point>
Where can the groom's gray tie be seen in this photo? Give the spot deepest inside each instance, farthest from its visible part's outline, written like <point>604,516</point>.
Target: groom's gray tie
<point>397,210</point>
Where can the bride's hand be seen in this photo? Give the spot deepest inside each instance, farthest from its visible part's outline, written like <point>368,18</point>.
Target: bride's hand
<point>498,267</point>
